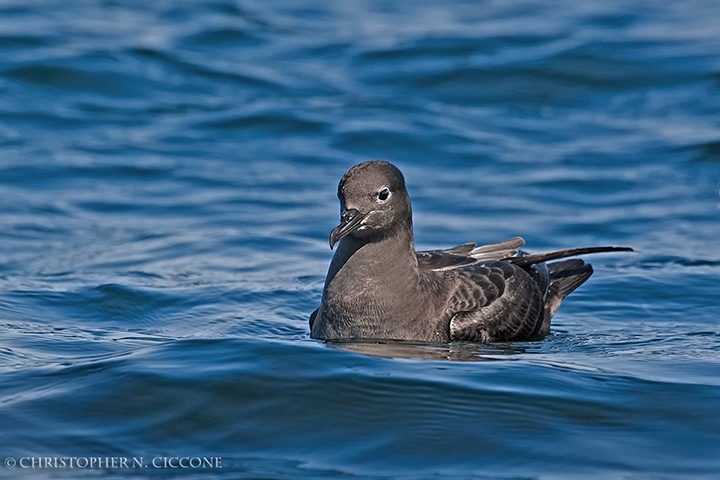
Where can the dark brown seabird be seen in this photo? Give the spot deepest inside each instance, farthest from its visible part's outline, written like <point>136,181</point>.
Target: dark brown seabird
<point>379,288</point>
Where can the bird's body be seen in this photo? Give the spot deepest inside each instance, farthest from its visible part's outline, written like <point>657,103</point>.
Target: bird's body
<point>379,288</point>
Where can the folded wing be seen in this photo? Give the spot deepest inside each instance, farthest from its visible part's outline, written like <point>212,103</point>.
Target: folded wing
<point>468,254</point>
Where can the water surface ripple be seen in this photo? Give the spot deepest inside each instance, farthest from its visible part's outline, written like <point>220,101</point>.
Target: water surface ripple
<point>167,186</point>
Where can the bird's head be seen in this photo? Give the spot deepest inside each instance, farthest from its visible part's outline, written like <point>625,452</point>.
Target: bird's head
<point>374,202</point>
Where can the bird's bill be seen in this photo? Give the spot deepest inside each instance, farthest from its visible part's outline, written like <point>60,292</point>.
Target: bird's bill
<point>349,222</point>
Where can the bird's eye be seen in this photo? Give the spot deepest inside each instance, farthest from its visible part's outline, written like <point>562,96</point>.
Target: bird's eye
<point>384,194</point>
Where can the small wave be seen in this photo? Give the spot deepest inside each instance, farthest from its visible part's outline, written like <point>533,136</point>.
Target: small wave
<point>276,123</point>
<point>196,69</point>
<point>23,41</point>
<point>223,37</point>
<point>70,78</point>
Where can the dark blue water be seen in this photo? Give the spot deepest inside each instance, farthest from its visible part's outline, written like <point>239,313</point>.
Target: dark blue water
<point>167,186</point>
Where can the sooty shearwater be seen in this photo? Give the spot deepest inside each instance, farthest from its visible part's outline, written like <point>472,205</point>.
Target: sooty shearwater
<point>379,288</point>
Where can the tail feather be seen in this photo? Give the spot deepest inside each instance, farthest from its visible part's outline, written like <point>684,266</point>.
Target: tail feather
<point>530,259</point>
<point>565,277</point>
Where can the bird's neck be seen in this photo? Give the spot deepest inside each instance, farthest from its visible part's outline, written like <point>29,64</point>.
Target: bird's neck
<point>376,262</point>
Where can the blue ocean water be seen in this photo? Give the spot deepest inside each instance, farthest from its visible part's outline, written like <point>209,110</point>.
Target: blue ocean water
<point>167,186</point>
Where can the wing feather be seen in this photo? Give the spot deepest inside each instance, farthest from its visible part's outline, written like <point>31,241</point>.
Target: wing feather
<point>468,254</point>
<point>495,302</point>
